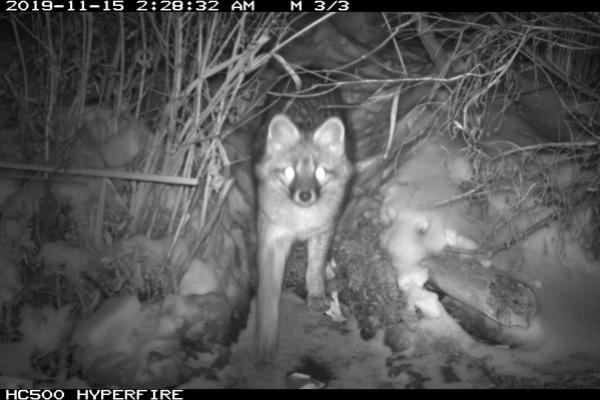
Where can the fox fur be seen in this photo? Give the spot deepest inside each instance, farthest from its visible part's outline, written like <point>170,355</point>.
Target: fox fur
<point>302,178</point>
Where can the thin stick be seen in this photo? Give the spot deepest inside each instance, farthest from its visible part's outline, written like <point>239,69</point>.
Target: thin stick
<point>393,116</point>
<point>549,145</point>
<point>302,31</point>
<point>134,176</point>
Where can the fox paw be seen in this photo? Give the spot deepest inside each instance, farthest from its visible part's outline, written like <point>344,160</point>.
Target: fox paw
<point>317,303</point>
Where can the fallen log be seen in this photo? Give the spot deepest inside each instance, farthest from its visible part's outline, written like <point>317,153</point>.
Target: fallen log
<point>496,294</point>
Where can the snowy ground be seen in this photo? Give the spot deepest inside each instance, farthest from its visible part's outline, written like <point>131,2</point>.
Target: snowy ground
<point>354,363</point>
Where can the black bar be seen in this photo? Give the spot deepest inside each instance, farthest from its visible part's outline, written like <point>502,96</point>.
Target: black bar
<point>269,5</point>
<point>97,394</point>
<point>201,5</point>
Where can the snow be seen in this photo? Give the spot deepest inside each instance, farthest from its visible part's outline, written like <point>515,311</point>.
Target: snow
<point>43,329</point>
<point>417,227</point>
<point>112,324</point>
<point>356,363</point>
<point>116,343</point>
<point>200,278</point>
<point>569,295</point>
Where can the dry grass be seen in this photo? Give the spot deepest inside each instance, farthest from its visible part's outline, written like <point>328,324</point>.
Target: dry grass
<point>191,78</point>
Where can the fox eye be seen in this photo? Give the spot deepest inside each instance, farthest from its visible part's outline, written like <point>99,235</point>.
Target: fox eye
<point>289,173</point>
<point>320,173</point>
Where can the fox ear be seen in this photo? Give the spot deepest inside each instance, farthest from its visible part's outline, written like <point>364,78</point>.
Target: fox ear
<point>331,135</point>
<point>282,133</point>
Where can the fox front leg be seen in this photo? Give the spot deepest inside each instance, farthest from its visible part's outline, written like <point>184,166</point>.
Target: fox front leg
<point>272,254</point>
<point>318,247</point>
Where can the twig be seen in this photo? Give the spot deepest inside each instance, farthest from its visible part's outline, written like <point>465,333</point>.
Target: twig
<point>516,238</point>
<point>431,45</point>
<point>134,176</point>
<point>540,146</point>
<point>302,31</point>
<point>393,120</point>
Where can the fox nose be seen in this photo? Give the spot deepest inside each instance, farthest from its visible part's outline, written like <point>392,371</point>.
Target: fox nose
<point>305,196</point>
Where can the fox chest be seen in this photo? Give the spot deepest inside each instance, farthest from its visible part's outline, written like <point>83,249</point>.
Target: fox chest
<point>299,223</point>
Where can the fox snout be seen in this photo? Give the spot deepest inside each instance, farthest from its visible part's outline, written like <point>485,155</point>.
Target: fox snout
<point>304,189</point>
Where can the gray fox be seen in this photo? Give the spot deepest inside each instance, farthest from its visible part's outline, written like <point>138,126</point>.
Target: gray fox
<point>302,179</point>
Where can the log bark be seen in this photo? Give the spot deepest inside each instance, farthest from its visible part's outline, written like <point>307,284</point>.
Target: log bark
<point>498,295</point>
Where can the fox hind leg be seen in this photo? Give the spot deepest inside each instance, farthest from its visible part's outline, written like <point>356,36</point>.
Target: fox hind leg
<point>318,248</point>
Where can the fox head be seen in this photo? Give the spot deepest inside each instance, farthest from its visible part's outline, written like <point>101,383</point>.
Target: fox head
<point>305,164</point>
